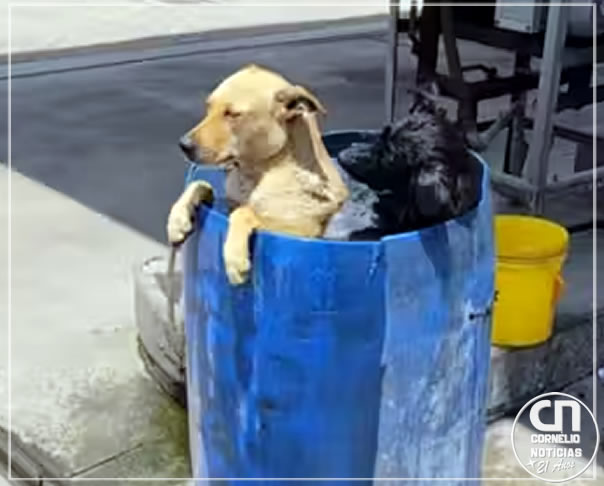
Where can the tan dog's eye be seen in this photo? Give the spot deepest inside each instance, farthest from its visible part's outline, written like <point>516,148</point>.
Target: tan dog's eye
<point>230,113</point>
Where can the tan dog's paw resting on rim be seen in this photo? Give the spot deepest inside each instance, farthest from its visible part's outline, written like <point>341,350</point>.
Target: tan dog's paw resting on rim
<point>236,252</point>
<point>264,131</point>
<point>180,219</point>
<point>180,223</point>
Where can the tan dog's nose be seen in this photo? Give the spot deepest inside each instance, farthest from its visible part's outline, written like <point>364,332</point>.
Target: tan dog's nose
<point>188,147</point>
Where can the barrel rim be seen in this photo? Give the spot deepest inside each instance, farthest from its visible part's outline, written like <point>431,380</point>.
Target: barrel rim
<point>208,212</point>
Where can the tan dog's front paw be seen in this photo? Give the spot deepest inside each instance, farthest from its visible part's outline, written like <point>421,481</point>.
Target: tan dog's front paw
<point>237,265</point>
<point>179,223</point>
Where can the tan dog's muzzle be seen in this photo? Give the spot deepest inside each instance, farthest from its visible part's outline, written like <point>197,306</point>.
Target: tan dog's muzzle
<point>201,155</point>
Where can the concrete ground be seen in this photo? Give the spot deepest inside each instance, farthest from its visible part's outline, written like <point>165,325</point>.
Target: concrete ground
<point>79,392</point>
<point>95,169</point>
<point>37,26</point>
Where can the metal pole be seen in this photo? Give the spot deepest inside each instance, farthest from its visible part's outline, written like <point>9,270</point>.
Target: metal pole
<point>391,61</point>
<point>516,147</point>
<point>427,52</point>
<point>549,86</point>
<point>511,186</point>
<point>583,178</point>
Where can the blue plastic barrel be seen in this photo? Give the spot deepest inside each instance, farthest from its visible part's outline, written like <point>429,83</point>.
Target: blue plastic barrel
<point>340,359</point>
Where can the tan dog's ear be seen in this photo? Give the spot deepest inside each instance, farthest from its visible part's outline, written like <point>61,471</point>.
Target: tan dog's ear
<point>295,100</point>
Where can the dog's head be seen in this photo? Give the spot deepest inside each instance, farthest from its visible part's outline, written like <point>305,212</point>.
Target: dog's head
<point>247,118</point>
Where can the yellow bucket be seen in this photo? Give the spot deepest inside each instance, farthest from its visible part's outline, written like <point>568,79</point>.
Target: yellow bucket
<point>530,255</point>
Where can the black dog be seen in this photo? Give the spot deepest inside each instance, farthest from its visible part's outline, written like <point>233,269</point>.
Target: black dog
<point>419,170</point>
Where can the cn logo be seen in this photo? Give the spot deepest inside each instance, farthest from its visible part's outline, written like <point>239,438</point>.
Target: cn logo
<point>543,453</point>
<point>558,411</point>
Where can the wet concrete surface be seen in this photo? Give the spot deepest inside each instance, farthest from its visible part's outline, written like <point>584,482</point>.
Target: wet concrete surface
<point>80,397</point>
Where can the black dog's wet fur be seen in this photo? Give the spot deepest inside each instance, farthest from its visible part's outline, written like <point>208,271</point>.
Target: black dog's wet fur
<point>419,168</point>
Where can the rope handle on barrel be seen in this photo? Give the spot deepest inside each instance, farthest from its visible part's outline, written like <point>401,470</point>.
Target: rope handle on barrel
<point>200,192</point>
<point>171,287</point>
<point>175,334</point>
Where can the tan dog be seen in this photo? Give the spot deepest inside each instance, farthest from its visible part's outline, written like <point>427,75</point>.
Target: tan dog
<point>264,131</point>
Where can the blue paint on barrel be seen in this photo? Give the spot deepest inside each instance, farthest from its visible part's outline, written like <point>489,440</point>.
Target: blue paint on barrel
<point>340,359</point>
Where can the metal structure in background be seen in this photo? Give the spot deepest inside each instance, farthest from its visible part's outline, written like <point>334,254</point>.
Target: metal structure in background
<point>564,61</point>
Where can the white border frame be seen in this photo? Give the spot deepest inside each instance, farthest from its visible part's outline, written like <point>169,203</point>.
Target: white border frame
<point>10,6</point>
